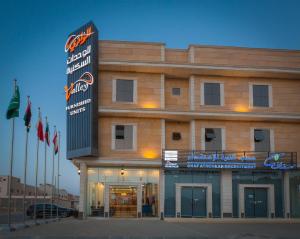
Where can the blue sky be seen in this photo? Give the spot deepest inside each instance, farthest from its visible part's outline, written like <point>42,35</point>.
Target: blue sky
<point>33,34</point>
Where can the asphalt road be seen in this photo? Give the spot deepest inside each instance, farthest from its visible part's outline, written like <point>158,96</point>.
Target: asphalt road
<point>156,229</point>
<point>15,217</point>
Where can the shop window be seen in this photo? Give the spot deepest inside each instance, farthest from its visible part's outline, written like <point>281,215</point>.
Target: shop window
<point>124,137</point>
<point>212,94</point>
<point>261,95</point>
<point>262,140</point>
<point>124,90</point>
<point>213,139</point>
<point>176,136</point>
<point>175,91</point>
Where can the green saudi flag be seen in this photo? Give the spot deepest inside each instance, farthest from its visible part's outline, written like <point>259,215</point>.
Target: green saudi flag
<point>14,105</point>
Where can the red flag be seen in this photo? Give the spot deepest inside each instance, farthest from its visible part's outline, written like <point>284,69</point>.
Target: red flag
<point>55,145</point>
<point>40,133</point>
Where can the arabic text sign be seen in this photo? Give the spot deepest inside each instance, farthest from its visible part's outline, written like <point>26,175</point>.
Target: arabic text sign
<point>232,160</point>
<point>81,91</point>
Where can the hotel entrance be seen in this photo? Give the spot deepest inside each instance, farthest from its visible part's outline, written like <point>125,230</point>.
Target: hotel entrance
<point>123,201</point>
<point>122,192</point>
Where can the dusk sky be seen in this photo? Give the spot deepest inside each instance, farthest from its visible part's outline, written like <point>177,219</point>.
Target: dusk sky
<point>33,35</point>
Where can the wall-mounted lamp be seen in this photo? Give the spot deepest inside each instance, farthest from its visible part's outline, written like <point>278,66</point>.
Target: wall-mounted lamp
<point>78,171</point>
<point>122,171</point>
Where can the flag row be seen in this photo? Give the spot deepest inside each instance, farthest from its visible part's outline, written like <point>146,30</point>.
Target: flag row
<point>13,112</point>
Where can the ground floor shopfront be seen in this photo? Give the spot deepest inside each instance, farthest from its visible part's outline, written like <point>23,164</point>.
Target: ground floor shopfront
<point>226,193</point>
<point>122,192</point>
<point>156,192</point>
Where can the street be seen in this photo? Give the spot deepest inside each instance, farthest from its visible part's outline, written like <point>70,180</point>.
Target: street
<point>154,228</point>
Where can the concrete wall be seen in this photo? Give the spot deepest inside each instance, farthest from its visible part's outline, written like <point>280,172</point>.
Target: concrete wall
<point>148,138</point>
<point>196,54</point>
<point>148,90</point>
<point>181,127</point>
<point>177,102</point>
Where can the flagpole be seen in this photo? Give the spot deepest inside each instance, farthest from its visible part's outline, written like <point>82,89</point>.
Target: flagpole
<point>36,176</point>
<point>11,164</point>
<point>45,175</point>
<point>53,157</point>
<point>25,170</point>
<point>55,191</point>
<point>58,158</point>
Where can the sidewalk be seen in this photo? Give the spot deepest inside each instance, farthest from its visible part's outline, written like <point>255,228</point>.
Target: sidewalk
<point>235,220</point>
<point>150,229</point>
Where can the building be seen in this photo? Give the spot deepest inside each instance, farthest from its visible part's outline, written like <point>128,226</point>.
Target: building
<point>64,198</point>
<point>200,132</point>
<point>17,187</point>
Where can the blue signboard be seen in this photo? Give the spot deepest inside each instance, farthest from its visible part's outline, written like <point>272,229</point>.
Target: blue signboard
<point>223,160</point>
<point>81,92</point>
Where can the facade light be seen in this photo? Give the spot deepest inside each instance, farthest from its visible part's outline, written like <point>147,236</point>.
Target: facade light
<point>122,171</point>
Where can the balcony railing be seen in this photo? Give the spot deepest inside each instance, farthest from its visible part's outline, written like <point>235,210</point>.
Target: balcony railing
<point>199,159</point>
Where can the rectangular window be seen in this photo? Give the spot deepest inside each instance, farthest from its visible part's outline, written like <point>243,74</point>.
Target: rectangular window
<point>123,137</point>
<point>213,139</point>
<point>262,140</point>
<point>176,136</point>
<point>175,91</point>
<point>125,90</point>
<point>261,95</point>
<point>212,94</point>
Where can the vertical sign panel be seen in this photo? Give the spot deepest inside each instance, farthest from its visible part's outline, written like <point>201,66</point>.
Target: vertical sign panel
<point>82,92</point>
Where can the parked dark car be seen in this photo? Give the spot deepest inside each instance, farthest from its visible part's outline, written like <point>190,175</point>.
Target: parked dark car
<point>62,212</point>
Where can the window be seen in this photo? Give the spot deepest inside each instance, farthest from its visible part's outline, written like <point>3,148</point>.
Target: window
<point>124,90</point>
<point>262,140</point>
<point>123,137</point>
<point>175,91</point>
<point>120,131</point>
<point>260,95</point>
<point>213,139</point>
<point>212,95</point>
<point>176,136</point>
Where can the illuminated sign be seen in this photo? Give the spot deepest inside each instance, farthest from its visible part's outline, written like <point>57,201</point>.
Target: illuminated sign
<point>225,160</point>
<point>81,92</point>
<point>171,155</point>
<point>76,40</point>
<point>274,162</point>
<point>82,84</point>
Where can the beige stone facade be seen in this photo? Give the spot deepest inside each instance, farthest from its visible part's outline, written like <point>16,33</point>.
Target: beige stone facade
<point>157,113</point>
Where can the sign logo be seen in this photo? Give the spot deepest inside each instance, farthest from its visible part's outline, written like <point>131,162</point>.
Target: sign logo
<point>82,84</point>
<point>77,40</point>
<point>275,161</point>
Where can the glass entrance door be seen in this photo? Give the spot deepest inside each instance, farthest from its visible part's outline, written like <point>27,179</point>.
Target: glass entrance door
<point>256,204</point>
<point>193,202</point>
<point>123,201</point>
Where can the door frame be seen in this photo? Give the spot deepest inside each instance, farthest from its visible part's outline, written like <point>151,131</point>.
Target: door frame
<point>271,198</point>
<point>207,186</point>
